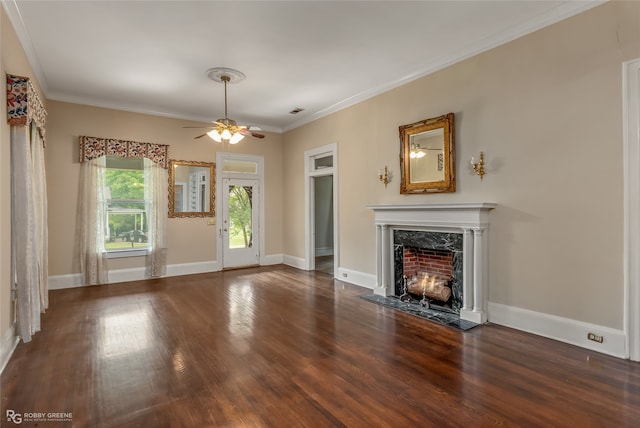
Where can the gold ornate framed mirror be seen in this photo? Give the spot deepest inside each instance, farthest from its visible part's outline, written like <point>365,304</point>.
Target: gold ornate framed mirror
<point>191,189</point>
<point>427,156</point>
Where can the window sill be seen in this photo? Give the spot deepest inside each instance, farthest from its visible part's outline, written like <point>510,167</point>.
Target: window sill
<point>119,254</point>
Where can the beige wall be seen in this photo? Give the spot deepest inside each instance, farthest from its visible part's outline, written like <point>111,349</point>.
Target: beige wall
<point>546,111</point>
<point>190,239</point>
<point>14,61</point>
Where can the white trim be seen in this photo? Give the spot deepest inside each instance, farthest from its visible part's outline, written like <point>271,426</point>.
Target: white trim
<point>59,282</point>
<point>272,259</point>
<point>296,262</point>
<point>7,346</point>
<point>563,11</point>
<point>631,173</point>
<point>193,268</point>
<point>122,254</point>
<point>13,13</point>
<point>259,177</point>
<point>362,279</point>
<point>562,329</point>
<point>309,214</point>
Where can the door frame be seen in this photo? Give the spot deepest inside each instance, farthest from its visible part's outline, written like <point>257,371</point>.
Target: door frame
<point>310,173</point>
<point>259,177</point>
<point>631,168</point>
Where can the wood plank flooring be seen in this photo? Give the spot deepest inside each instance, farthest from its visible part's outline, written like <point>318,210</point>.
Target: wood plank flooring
<point>279,347</point>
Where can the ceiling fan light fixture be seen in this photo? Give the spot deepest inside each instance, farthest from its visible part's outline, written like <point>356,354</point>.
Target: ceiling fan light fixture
<point>215,135</point>
<point>225,134</point>
<point>236,138</point>
<point>416,152</point>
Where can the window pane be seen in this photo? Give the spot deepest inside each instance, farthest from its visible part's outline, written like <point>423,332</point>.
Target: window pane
<point>323,162</point>
<point>240,166</point>
<point>126,215</point>
<point>240,200</point>
<point>127,225</point>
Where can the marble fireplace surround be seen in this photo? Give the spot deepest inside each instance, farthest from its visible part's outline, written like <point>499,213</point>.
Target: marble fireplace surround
<point>469,219</point>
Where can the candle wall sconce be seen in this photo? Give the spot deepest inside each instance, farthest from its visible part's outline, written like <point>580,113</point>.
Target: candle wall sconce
<point>478,167</point>
<point>383,176</point>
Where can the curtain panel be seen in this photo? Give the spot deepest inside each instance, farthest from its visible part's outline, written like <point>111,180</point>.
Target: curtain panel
<point>92,217</point>
<point>29,234</point>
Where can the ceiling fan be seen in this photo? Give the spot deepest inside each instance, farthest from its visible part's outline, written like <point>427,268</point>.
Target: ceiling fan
<point>417,152</point>
<point>227,130</point>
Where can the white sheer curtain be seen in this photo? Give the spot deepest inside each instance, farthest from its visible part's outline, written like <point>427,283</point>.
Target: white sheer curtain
<point>28,228</point>
<point>92,219</point>
<point>156,179</point>
<point>40,207</point>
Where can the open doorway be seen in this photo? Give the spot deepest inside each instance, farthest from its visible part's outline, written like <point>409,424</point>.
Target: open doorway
<point>323,227</point>
<point>321,210</point>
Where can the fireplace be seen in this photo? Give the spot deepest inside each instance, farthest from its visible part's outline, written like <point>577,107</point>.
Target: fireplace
<point>459,229</point>
<point>429,265</point>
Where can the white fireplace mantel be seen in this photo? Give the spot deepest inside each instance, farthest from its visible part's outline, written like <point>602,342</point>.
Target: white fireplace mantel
<point>469,219</point>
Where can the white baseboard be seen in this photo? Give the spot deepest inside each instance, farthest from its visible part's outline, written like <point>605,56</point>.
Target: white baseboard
<point>296,262</point>
<point>362,279</point>
<point>272,259</point>
<point>192,268</point>
<point>58,282</point>
<point>72,280</point>
<point>561,329</point>
<point>8,344</point>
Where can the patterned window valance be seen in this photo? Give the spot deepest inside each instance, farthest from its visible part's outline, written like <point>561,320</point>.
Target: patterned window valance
<point>93,148</point>
<point>24,105</point>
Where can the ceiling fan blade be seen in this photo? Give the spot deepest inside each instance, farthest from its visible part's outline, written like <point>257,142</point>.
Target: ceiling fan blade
<point>199,136</point>
<point>248,133</point>
<point>196,127</point>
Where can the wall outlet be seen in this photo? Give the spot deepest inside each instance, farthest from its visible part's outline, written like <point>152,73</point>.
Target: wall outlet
<point>595,337</point>
<point>344,274</point>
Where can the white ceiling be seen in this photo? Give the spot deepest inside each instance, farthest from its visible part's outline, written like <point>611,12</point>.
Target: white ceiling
<point>152,56</point>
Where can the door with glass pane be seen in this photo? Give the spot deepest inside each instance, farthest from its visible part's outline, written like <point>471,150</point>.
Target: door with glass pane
<point>240,224</point>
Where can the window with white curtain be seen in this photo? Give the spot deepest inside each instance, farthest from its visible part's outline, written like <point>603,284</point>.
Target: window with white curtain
<point>123,198</point>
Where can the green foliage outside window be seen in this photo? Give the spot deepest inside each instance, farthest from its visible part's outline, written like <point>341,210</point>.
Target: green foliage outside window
<point>127,219</point>
<point>240,216</point>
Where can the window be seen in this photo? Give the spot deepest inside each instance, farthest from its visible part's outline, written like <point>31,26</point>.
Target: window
<point>126,220</point>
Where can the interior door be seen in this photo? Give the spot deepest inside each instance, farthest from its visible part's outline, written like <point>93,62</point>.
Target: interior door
<point>240,225</point>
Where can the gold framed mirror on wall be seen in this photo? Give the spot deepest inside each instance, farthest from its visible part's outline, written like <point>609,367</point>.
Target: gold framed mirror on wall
<point>427,156</point>
<point>191,189</point>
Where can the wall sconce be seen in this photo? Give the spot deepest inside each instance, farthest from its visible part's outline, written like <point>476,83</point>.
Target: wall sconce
<point>478,167</point>
<point>383,176</point>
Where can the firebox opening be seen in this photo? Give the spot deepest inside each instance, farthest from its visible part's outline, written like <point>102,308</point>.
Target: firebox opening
<point>428,275</point>
<point>428,269</point>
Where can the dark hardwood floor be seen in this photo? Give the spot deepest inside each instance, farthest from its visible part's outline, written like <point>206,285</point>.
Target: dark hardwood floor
<point>280,347</point>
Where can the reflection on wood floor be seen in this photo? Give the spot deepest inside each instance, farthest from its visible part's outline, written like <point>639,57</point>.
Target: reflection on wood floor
<point>280,347</point>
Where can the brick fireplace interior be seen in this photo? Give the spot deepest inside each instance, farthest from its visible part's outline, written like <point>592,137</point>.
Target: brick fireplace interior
<point>436,254</point>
